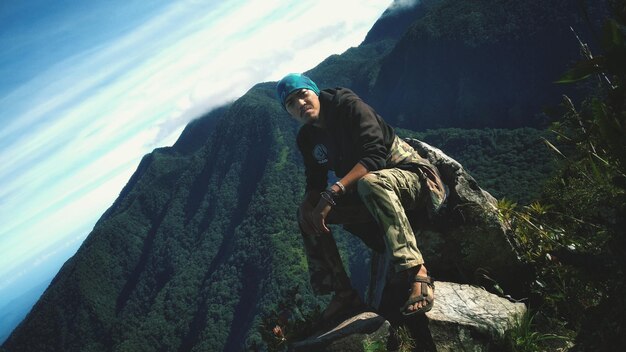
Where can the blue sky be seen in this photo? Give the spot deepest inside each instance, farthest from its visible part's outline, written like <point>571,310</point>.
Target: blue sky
<point>89,87</point>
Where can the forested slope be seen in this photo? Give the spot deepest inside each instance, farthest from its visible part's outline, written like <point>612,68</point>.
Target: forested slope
<point>475,64</point>
<point>203,240</point>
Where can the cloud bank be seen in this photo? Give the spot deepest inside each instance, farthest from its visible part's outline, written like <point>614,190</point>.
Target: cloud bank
<point>73,133</point>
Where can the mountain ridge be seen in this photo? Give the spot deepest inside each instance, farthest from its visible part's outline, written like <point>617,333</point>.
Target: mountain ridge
<point>203,238</point>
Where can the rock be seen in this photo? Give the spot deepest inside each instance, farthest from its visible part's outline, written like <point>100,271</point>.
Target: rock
<point>464,318</point>
<point>466,241</point>
<point>350,335</point>
<point>468,318</point>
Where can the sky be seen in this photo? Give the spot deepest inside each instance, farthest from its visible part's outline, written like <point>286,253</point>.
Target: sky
<point>89,87</point>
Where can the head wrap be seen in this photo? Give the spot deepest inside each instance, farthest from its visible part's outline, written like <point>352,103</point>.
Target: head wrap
<point>292,82</point>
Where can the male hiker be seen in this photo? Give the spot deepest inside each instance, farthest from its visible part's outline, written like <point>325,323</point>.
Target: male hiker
<point>379,177</point>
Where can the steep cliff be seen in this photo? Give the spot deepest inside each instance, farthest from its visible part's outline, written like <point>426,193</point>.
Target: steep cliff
<point>475,64</point>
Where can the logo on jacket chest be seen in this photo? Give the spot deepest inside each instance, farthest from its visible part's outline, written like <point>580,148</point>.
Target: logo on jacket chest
<point>320,153</point>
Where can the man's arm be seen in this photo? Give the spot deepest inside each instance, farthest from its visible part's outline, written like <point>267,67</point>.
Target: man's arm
<point>316,217</point>
<point>366,125</point>
<point>350,179</point>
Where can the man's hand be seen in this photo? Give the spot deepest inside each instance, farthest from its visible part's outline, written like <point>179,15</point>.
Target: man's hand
<point>318,216</point>
<point>313,219</point>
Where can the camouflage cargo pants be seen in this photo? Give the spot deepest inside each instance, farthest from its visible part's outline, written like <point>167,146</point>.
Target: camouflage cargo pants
<point>376,213</point>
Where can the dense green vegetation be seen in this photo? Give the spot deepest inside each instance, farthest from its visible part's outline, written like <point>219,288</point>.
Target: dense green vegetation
<point>574,234</point>
<point>478,22</point>
<point>480,63</point>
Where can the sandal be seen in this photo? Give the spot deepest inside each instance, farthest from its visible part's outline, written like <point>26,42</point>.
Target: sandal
<point>425,281</point>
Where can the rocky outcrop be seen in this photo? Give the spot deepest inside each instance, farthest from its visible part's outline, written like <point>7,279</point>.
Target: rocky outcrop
<point>466,241</point>
<point>468,318</point>
<point>350,335</point>
<point>464,318</point>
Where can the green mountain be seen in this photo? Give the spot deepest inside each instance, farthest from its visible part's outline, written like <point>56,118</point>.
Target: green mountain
<point>475,64</point>
<point>202,241</point>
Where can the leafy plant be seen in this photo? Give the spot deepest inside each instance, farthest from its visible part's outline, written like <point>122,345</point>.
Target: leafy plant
<point>524,337</point>
<point>405,339</point>
<point>538,237</point>
<point>576,244</point>
<point>374,346</point>
<point>290,322</point>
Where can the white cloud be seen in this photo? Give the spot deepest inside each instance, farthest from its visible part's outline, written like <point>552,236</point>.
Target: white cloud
<point>78,130</point>
<point>401,4</point>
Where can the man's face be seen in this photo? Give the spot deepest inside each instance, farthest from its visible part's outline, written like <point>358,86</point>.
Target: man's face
<point>304,106</point>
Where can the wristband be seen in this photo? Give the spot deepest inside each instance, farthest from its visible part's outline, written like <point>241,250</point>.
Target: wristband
<point>329,196</point>
<point>341,186</point>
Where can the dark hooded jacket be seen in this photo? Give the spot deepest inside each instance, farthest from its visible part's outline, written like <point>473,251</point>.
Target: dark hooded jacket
<point>354,133</point>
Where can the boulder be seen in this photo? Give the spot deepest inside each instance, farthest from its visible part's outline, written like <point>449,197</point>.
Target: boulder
<point>464,318</point>
<point>466,241</point>
<point>468,318</point>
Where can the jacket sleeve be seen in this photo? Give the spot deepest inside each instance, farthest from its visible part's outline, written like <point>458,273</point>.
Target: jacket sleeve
<point>316,174</point>
<point>364,122</point>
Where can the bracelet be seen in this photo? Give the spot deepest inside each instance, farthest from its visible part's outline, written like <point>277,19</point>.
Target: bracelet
<point>329,196</point>
<point>341,186</point>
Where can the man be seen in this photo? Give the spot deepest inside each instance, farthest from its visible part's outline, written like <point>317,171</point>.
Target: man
<point>379,177</point>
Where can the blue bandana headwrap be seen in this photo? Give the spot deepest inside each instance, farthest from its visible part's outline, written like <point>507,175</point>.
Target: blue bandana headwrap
<point>292,82</point>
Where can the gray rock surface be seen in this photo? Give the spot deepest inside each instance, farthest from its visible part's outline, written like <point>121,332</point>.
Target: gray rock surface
<point>350,335</point>
<point>468,318</point>
<point>464,318</point>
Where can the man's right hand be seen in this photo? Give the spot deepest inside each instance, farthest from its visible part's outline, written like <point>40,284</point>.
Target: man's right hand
<point>312,214</point>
